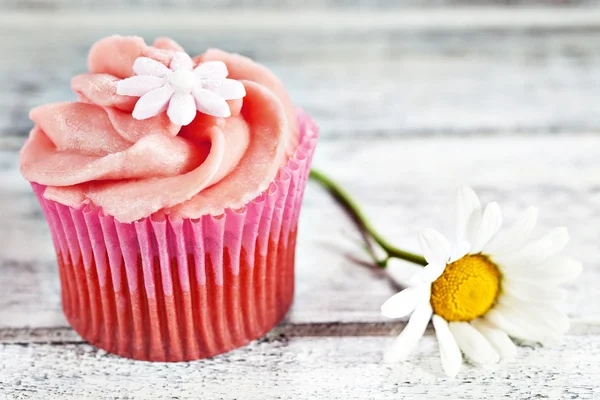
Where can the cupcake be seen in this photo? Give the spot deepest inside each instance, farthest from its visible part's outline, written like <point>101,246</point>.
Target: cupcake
<point>172,190</point>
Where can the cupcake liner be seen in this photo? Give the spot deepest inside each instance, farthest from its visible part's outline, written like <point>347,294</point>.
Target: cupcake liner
<point>183,289</point>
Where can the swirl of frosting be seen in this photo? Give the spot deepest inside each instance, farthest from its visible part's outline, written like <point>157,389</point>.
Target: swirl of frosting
<point>94,152</point>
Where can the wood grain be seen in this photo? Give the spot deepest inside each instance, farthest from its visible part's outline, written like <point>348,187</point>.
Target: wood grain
<point>404,184</point>
<point>58,5</point>
<point>66,335</point>
<point>473,72</point>
<point>299,368</point>
<point>414,99</point>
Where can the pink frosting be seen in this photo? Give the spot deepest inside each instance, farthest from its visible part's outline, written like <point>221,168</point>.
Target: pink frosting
<point>94,152</point>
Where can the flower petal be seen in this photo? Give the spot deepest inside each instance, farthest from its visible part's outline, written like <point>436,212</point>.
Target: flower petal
<point>497,338</point>
<point>435,246</point>
<point>554,271</point>
<point>461,250</point>
<point>412,333</point>
<point>518,325</point>
<point>211,103</point>
<point>473,344</point>
<point>182,109</point>
<point>490,225</point>
<point>550,317</point>
<point>533,292</point>
<point>139,85</point>
<point>449,351</point>
<point>502,318</point>
<point>152,103</point>
<point>468,215</point>
<point>403,303</point>
<point>560,270</point>
<point>229,89</point>
<point>147,66</point>
<point>401,272</point>
<point>428,274</point>
<point>181,61</point>
<point>515,237</point>
<point>211,70</point>
<point>538,250</point>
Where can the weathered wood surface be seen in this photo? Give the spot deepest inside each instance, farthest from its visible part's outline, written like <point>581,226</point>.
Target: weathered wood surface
<point>59,5</point>
<point>479,71</point>
<point>412,104</point>
<point>299,368</point>
<point>410,186</point>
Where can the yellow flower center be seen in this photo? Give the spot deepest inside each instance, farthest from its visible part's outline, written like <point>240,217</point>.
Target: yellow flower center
<point>467,289</point>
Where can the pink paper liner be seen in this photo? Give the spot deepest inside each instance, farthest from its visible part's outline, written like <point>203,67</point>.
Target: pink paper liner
<point>183,289</point>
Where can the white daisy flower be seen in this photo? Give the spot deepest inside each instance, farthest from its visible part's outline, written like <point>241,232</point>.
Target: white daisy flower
<point>180,89</point>
<point>493,285</point>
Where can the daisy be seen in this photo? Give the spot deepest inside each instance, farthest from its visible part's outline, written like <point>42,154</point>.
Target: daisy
<point>180,89</point>
<point>492,285</point>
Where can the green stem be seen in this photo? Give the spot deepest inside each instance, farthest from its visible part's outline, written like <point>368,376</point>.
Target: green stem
<point>354,210</point>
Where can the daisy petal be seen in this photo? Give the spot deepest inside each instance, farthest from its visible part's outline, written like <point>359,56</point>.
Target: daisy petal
<point>182,109</point>
<point>502,319</point>
<point>473,344</point>
<point>468,215</point>
<point>139,85</point>
<point>497,338</point>
<point>403,303</point>
<point>538,250</point>
<point>401,272</point>
<point>229,89</point>
<point>212,70</point>
<point>152,103</point>
<point>550,317</point>
<point>449,351</point>
<point>181,61</point>
<point>461,250</point>
<point>412,333</point>
<point>533,292</point>
<point>211,103</point>
<point>435,246</point>
<point>490,225</point>
<point>517,325</point>
<point>428,274</point>
<point>148,66</point>
<point>515,237</point>
<point>555,271</point>
<point>560,270</point>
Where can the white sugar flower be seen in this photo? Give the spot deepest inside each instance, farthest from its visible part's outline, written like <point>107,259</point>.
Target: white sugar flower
<point>180,89</point>
<point>494,284</point>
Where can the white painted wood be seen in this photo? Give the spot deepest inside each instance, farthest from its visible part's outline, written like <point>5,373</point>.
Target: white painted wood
<point>473,71</point>
<point>65,335</point>
<point>204,5</point>
<point>412,102</point>
<point>465,18</point>
<point>299,368</point>
<point>405,185</point>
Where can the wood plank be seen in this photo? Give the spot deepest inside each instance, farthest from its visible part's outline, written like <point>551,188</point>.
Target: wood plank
<point>457,72</point>
<point>405,185</point>
<point>57,5</point>
<point>66,335</point>
<point>299,368</point>
<point>26,336</point>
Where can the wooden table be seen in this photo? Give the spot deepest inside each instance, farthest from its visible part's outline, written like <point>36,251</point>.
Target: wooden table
<point>412,103</point>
